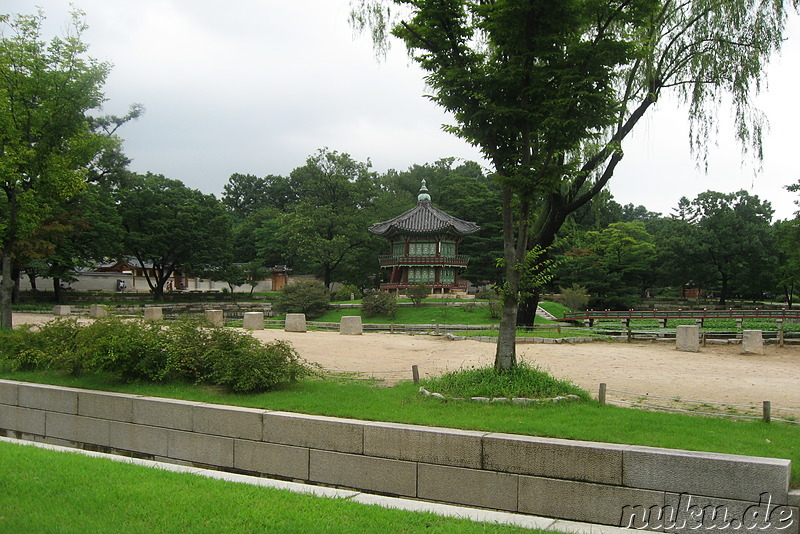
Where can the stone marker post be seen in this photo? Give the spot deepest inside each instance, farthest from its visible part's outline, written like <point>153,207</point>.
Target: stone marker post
<point>153,314</point>
<point>687,338</point>
<point>295,322</point>
<point>351,325</point>
<point>98,310</point>
<point>61,310</point>
<point>752,342</point>
<point>254,320</point>
<point>215,317</point>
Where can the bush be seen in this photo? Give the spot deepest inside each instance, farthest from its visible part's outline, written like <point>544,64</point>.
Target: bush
<point>575,298</point>
<point>304,296</point>
<point>379,303</point>
<point>346,290</point>
<point>132,349</point>
<point>417,293</point>
<point>487,293</point>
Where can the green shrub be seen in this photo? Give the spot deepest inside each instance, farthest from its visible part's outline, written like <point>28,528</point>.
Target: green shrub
<point>417,293</point>
<point>575,297</point>
<point>487,293</point>
<point>132,349</point>
<point>304,296</point>
<point>345,291</point>
<point>379,303</point>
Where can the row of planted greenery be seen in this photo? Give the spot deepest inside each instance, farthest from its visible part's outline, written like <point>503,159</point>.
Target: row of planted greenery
<point>189,350</point>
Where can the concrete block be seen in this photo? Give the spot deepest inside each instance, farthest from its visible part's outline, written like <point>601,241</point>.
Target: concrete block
<point>228,421</point>
<point>48,398</point>
<point>752,342</point>
<point>106,405</point>
<point>271,459</point>
<point>684,514</point>
<point>471,487</point>
<point>139,438</point>
<point>96,311</point>
<point>215,317</point>
<point>295,322</point>
<point>201,448</point>
<point>444,446</point>
<point>77,428</point>
<point>9,392</point>
<point>62,310</point>
<point>153,313</point>
<point>554,458</point>
<point>351,325</point>
<point>254,320</point>
<point>22,420</point>
<point>705,473</point>
<point>167,413</point>
<point>687,338</point>
<point>583,501</point>
<point>383,475</point>
<point>318,432</point>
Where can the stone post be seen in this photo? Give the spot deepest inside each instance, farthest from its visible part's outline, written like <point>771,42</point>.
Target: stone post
<point>752,342</point>
<point>351,325</point>
<point>295,322</point>
<point>687,338</point>
<point>215,317</point>
<point>61,310</point>
<point>254,320</point>
<point>98,310</point>
<point>153,314</point>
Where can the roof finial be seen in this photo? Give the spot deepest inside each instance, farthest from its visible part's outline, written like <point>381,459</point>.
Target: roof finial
<point>423,193</point>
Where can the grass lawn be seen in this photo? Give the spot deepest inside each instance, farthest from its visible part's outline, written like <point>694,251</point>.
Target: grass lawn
<point>425,315</point>
<point>402,403</point>
<point>47,491</point>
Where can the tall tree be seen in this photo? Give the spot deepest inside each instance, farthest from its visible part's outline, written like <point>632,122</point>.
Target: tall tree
<point>528,82</point>
<point>46,138</point>
<point>168,226</point>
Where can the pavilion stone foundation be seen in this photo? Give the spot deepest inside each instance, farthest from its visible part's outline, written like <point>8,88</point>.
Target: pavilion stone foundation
<point>752,342</point>
<point>351,325</point>
<point>687,338</point>
<point>153,314</point>
<point>254,320</point>
<point>215,317</point>
<point>295,322</point>
<point>61,310</point>
<point>96,311</point>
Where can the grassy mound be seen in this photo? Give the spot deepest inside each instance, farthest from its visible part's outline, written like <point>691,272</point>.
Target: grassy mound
<point>522,381</point>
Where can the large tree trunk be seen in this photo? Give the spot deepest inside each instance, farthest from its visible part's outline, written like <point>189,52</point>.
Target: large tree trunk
<point>15,274</point>
<point>723,295</point>
<point>526,316</point>
<point>6,288</point>
<point>58,290</point>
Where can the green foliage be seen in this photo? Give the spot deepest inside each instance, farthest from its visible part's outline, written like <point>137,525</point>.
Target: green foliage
<point>380,303</point>
<point>487,293</point>
<point>134,350</point>
<point>575,297</point>
<point>417,293</point>
<point>348,292</point>
<point>521,381</point>
<point>310,297</point>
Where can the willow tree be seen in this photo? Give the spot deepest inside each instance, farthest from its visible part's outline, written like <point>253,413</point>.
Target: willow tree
<point>704,51</point>
<point>46,138</point>
<point>529,82</point>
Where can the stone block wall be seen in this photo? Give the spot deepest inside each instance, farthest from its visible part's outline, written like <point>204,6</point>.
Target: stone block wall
<point>600,483</point>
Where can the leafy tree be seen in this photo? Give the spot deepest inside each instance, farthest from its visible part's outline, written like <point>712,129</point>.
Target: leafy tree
<point>787,242</point>
<point>326,230</point>
<point>46,138</point>
<point>528,83</point>
<point>169,226</point>
<point>417,293</point>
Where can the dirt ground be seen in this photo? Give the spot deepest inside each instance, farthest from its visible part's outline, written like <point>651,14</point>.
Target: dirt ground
<point>718,373</point>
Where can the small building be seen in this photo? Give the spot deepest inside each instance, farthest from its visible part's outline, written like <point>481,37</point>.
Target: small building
<point>424,247</point>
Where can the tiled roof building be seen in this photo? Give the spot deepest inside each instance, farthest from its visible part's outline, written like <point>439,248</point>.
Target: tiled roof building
<point>424,247</point>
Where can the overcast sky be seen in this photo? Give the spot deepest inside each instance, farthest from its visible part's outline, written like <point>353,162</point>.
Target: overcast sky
<point>256,86</point>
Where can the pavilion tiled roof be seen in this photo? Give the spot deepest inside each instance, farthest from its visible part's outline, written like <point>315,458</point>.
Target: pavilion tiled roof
<point>424,218</point>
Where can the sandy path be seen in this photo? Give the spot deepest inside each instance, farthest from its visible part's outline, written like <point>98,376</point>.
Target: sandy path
<point>719,373</point>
